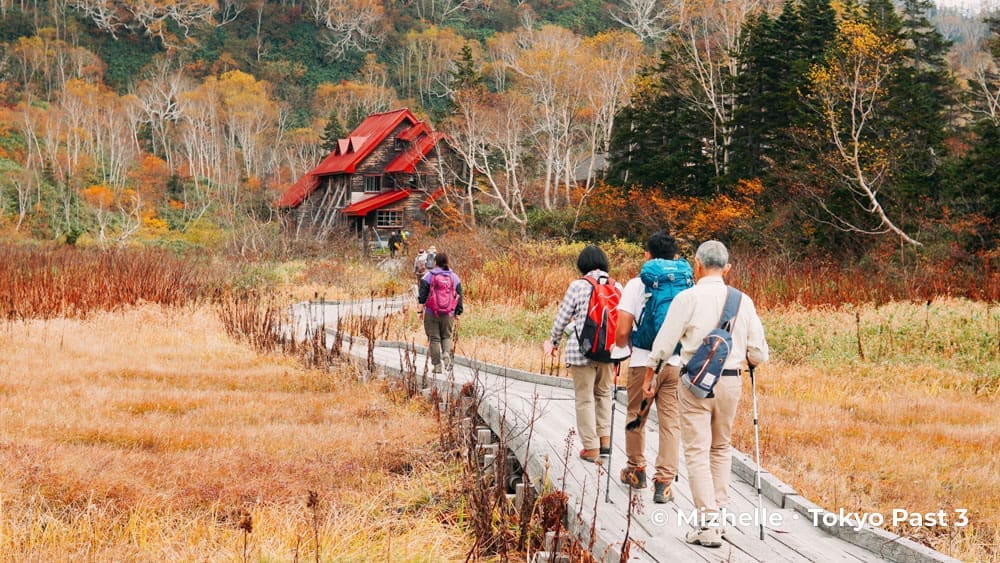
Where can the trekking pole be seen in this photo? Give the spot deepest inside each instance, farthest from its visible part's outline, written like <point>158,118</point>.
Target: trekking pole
<point>756,443</point>
<point>611,435</point>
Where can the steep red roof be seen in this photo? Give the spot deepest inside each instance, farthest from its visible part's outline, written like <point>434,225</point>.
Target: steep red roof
<point>407,161</point>
<point>360,143</point>
<point>413,132</point>
<point>366,206</point>
<point>296,194</point>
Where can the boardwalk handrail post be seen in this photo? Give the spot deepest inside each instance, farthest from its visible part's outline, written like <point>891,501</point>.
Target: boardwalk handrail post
<point>756,446</point>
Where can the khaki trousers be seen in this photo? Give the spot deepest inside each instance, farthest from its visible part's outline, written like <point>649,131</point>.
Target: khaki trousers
<point>667,417</point>
<point>592,385</point>
<point>438,331</point>
<point>707,429</point>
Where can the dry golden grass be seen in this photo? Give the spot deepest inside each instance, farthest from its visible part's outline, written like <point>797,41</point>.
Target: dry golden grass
<point>863,443</point>
<point>914,426</point>
<point>144,435</point>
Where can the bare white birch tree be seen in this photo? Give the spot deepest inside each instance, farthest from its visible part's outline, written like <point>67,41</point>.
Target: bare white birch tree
<point>847,90</point>
<point>546,63</point>
<point>158,93</point>
<point>649,20</point>
<point>707,41</point>
<point>353,25</point>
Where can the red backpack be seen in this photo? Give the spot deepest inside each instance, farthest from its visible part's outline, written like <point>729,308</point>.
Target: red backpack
<point>597,336</point>
<point>443,297</point>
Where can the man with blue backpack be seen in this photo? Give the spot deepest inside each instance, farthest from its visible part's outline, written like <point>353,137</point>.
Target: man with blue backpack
<point>720,336</point>
<point>641,311</point>
<point>440,291</point>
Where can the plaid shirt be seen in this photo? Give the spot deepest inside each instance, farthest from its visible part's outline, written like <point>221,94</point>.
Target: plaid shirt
<point>570,317</point>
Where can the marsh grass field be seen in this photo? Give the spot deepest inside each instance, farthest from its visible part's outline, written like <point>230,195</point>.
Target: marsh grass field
<point>148,434</point>
<point>145,431</point>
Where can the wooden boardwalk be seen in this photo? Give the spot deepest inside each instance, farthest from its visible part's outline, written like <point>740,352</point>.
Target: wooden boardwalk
<point>515,403</point>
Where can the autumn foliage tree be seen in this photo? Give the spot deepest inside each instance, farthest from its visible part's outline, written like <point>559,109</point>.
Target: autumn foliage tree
<point>849,89</point>
<point>646,210</point>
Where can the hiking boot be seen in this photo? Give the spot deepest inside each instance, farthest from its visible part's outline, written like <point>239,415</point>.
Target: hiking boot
<point>662,492</point>
<point>606,446</point>
<point>591,455</point>
<point>634,477</point>
<point>705,537</point>
<point>437,369</point>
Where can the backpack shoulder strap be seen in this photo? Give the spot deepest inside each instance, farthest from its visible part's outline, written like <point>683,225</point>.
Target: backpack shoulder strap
<point>732,307</point>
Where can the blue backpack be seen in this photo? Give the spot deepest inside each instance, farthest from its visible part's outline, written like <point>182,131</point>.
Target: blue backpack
<point>704,369</point>
<point>663,279</point>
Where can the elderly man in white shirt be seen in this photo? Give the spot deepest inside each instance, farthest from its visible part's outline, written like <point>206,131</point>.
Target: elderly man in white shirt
<point>707,424</point>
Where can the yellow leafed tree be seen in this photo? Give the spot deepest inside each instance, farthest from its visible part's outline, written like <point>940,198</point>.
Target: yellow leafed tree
<point>848,88</point>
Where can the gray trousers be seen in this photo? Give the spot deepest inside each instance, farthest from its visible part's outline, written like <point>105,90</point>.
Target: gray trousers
<point>438,331</point>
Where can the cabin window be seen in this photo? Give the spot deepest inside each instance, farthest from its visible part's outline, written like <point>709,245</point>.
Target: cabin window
<point>388,218</point>
<point>373,183</point>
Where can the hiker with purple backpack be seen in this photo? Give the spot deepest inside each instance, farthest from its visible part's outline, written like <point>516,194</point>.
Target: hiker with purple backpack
<point>440,291</point>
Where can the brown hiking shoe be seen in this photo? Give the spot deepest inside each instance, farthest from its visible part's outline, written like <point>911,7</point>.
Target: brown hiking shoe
<point>661,492</point>
<point>634,477</point>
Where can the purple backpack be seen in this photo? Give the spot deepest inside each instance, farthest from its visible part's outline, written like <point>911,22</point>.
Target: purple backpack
<point>443,297</point>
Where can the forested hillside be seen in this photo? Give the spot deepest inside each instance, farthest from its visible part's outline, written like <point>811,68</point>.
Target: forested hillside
<point>841,128</point>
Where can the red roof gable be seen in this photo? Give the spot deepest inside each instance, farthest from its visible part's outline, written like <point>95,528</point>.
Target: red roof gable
<point>413,132</point>
<point>366,206</point>
<point>360,143</point>
<point>427,203</point>
<point>407,161</point>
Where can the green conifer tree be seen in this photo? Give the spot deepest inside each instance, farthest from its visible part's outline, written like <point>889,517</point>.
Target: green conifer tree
<point>658,139</point>
<point>333,131</point>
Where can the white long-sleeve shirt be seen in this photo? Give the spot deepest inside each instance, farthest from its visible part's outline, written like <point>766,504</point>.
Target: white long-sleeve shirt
<point>695,312</point>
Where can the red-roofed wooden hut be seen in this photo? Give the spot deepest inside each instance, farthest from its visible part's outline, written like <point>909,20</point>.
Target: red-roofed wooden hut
<point>384,175</point>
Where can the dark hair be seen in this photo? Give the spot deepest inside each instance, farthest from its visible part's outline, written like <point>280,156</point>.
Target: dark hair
<point>661,245</point>
<point>591,258</point>
<point>441,260</point>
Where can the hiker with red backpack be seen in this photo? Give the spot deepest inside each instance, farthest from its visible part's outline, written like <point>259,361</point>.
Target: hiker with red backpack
<point>440,291</point>
<point>588,313</point>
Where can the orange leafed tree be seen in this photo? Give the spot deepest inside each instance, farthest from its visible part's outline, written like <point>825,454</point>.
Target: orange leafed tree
<point>150,178</point>
<point>640,211</point>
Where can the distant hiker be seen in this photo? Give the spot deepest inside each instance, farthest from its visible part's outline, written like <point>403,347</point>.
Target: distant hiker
<point>395,243</point>
<point>420,265</point>
<point>707,424</point>
<point>440,292</point>
<point>591,378</point>
<point>429,257</point>
<point>645,301</point>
